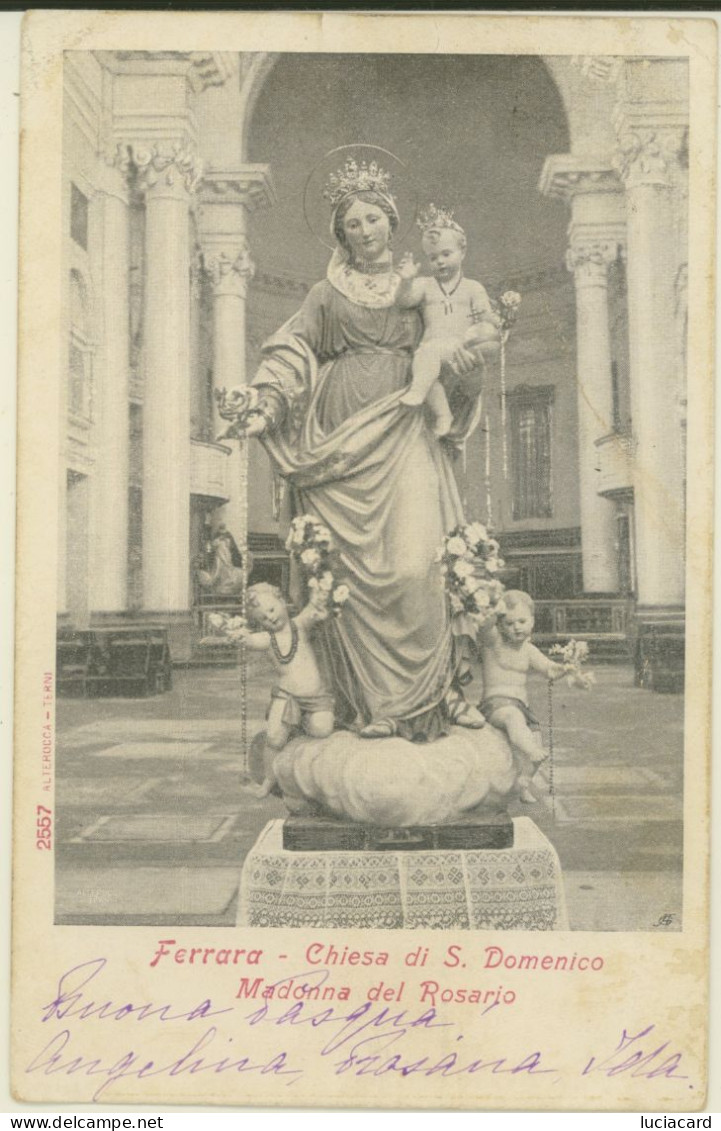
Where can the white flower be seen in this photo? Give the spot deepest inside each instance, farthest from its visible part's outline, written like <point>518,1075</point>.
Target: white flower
<point>312,582</point>
<point>217,620</point>
<point>341,593</point>
<point>236,622</point>
<point>463,569</point>
<point>310,557</point>
<point>475,532</point>
<point>492,565</point>
<point>325,582</point>
<point>456,603</point>
<point>482,597</point>
<point>456,546</point>
<point>511,299</point>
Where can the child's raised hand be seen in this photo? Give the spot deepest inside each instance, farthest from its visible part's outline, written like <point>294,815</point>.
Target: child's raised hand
<point>556,671</point>
<point>239,632</point>
<point>408,268</point>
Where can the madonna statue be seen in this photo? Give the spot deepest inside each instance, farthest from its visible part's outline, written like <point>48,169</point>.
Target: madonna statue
<point>371,469</point>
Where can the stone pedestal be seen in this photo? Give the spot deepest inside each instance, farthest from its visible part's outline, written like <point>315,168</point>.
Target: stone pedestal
<point>512,889</point>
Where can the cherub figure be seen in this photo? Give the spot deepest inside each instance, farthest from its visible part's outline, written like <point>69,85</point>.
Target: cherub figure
<point>456,312</point>
<point>507,656</point>
<point>301,697</point>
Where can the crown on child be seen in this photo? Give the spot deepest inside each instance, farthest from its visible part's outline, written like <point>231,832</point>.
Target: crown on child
<point>435,218</point>
<point>354,177</point>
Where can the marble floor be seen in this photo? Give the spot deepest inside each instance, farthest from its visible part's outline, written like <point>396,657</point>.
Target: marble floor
<point>151,828</point>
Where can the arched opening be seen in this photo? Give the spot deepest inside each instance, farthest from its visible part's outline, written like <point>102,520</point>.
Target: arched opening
<point>473,133</point>
<point>472,130</point>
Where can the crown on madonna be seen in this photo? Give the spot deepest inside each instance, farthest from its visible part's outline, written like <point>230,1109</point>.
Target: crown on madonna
<point>355,177</point>
<point>433,219</point>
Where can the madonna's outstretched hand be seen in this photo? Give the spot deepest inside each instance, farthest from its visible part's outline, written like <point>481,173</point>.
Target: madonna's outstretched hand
<point>254,425</point>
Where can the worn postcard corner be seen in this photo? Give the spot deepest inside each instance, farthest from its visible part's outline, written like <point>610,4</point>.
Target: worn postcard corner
<point>364,550</point>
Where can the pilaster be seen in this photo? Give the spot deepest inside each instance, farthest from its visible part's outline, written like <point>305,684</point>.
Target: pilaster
<point>651,124</point>
<point>108,575</point>
<point>596,239</point>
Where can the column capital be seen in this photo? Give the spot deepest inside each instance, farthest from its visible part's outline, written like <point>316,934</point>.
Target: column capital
<point>229,268</point>
<point>169,169</point>
<point>649,154</point>
<point>248,185</point>
<point>589,258</point>
<point>566,175</point>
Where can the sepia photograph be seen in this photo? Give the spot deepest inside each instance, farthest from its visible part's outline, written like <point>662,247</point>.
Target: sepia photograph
<point>372,490</point>
<point>364,560</point>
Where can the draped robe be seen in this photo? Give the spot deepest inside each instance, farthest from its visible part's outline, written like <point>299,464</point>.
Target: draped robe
<point>372,470</point>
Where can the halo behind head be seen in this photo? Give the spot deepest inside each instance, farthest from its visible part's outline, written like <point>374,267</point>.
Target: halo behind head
<point>320,190</point>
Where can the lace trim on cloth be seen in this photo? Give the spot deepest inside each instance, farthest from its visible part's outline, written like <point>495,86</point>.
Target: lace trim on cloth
<point>374,290</point>
<point>514,889</point>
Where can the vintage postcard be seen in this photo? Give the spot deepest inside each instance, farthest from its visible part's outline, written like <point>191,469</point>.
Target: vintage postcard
<point>364,583</point>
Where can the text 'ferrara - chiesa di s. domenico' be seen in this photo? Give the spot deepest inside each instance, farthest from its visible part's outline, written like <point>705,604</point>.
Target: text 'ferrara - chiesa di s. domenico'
<point>187,244</point>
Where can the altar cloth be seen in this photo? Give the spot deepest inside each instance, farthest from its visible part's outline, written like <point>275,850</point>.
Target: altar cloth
<point>510,889</point>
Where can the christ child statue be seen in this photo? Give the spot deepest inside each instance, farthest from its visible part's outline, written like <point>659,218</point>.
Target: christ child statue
<point>456,312</point>
<point>507,656</point>
<point>301,697</point>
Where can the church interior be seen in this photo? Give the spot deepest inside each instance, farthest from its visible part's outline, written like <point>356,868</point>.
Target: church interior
<point>569,176</point>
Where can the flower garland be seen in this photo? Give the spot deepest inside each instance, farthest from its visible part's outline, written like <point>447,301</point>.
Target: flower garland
<point>310,544</point>
<point>469,560</point>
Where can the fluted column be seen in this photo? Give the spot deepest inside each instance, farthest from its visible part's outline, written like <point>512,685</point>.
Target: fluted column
<point>108,578</point>
<point>589,262</point>
<point>167,179</point>
<point>596,234</point>
<point>231,269</point>
<point>229,197</point>
<point>646,162</point>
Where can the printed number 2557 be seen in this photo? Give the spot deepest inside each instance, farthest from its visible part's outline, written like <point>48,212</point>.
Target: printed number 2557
<point>43,827</point>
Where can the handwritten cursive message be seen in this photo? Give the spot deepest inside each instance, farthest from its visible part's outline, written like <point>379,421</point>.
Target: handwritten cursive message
<point>366,1040</point>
